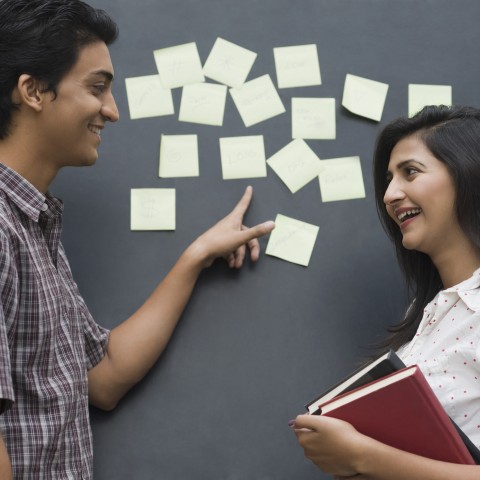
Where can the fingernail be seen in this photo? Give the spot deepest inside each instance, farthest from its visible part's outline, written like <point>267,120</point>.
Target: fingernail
<point>269,224</point>
<point>291,423</point>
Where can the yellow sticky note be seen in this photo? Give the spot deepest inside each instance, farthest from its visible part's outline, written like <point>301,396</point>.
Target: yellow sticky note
<point>313,118</point>
<point>203,103</point>
<point>257,100</point>
<point>152,209</point>
<point>229,63</point>
<point>179,65</point>
<point>147,98</point>
<point>292,240</point>
<point>420,96</point>
<point>296,164</point>
<point>364,97</point>
<point>178,156</point>
<point>297,66</point>
<point>341,179</point>
<point>243,157</point>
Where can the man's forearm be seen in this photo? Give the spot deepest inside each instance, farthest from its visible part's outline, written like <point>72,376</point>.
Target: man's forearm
<point>5,465</point>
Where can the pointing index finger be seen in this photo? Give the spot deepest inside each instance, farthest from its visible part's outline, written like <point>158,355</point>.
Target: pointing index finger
<point>244,203</point>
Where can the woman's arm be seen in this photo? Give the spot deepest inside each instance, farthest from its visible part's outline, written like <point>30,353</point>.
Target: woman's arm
<point>338,449</point>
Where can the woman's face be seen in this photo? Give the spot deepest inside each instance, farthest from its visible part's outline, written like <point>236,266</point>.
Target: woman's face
<point>420,198</point>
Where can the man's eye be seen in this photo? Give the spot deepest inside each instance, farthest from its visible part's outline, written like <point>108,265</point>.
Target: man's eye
<point>99,88</point>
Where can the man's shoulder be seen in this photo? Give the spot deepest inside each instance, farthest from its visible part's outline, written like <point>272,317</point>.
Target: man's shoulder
<point>8,222</point>
<point>5,205</point>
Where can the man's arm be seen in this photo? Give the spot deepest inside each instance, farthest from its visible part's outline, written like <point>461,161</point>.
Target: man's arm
<point>135,345</point>
<point>5,465</point>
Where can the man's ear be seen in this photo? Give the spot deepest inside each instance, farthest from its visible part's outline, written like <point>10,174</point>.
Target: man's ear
<point>29,92</point>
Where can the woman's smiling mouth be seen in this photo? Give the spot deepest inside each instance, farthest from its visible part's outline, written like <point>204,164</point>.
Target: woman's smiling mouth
<point>406,214</point>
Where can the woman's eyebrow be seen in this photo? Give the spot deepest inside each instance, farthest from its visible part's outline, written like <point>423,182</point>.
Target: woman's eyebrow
<point>406,162</point>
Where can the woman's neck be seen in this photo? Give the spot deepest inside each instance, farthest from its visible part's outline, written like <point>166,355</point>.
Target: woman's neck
<point>458,265</point>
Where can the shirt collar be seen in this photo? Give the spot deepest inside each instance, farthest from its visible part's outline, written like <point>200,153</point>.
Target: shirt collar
<point>468,291</point>
<point>25,196</point>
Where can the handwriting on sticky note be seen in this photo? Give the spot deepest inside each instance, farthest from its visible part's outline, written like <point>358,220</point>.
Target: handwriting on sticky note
<point>147,98</point>
<point>243,157</point>
<point>229,63</point>
<point>341,179</point>
<point>203,103</point>
<point>296,164</point>
<point>179,65</point>
<point>297,66</point>
<point>257,100</point>
<point>178,156</point>
<point>313,118</point>
<point>292,240</point>
<point>152,209</point>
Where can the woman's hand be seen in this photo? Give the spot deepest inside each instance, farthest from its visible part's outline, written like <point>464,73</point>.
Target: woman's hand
<point>333,445</point>
<point>337,448</point>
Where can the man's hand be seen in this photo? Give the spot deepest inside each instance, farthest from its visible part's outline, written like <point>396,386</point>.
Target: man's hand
<point>229,238</point>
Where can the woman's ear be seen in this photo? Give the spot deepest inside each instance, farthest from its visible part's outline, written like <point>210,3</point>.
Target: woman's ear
<point>29,92</point>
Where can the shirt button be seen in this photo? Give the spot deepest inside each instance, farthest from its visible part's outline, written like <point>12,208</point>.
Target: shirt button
<point>44,207</point>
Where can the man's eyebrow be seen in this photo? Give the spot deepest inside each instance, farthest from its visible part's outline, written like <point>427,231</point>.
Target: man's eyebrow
<point>103,73</point>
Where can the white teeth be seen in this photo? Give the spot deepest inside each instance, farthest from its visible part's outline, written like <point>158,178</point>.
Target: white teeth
<point>94,129</point>
<point>414,211</point>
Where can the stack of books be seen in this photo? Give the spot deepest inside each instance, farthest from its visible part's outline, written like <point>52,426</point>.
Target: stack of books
<point>395,405</point>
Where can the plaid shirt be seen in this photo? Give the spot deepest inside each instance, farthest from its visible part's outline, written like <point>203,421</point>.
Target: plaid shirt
<point>48,340</point>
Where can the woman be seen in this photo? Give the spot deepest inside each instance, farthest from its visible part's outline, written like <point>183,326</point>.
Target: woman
<point>427,187</point>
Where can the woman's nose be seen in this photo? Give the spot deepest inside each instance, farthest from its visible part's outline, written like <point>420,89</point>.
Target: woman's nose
<point>393,193</point>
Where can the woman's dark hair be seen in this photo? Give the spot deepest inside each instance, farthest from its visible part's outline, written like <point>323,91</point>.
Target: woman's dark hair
<point>452,134</point>
<point>43,38</point>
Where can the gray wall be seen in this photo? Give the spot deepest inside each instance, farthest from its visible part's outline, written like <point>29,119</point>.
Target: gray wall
<point>253,346</point>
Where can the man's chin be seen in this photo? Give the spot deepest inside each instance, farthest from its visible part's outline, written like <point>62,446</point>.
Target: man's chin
<point>88,162</point>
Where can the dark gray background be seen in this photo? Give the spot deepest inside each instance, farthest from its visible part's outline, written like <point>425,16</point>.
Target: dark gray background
<point>253,346</point>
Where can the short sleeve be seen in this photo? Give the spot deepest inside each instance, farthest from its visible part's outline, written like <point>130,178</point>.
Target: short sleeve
<point>95,336</point>
<point>7,280</point>
<point>96,339</point>
<point>7,395</point>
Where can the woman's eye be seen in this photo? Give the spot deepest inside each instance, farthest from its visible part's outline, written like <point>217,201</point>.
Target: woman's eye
<point>410,170</point>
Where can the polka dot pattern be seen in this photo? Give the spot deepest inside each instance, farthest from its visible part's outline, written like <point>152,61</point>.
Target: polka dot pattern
<point>447,347</point>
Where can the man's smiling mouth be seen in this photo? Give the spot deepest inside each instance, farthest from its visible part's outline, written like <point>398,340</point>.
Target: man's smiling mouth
<point>95,129</point>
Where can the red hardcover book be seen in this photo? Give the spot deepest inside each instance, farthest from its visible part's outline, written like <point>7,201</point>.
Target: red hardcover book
<point>401,410</point>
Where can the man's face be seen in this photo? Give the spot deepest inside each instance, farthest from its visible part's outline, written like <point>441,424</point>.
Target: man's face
<point>84,103</point>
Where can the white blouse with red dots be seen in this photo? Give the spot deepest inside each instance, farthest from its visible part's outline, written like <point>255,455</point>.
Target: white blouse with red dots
<point>447,349</point>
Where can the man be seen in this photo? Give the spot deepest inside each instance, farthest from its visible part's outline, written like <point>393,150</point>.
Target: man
<point>55,98</point>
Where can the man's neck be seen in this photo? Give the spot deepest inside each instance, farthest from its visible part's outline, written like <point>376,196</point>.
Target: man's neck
<point>19,157</point>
